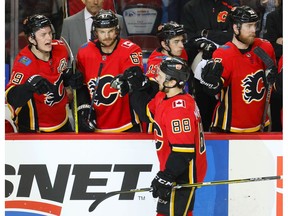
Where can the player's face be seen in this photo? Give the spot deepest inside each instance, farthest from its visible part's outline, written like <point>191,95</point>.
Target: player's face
<point>177,45</point>
<point>160,78</point>
<point>248,32</point>
<point>93,6</point>
<point>43,37</point>
<point>107,36</point>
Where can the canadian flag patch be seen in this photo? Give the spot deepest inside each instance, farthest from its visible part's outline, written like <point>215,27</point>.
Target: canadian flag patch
<point>179,103</point>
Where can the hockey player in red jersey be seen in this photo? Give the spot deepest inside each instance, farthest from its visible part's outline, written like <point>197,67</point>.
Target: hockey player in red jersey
<point>237,74</point>
<point>172,38</point>
<point>36,92</point>
<point>100,61</point>
<point>178,132</point>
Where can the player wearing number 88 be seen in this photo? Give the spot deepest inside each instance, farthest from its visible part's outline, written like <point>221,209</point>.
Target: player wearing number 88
<point>108,109</point>
<point>178,133</point>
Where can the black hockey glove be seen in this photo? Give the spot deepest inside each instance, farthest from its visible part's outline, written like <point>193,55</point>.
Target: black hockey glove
<point>206,46</point>
<point>73,80</point>
<point>162,185</point>
<point>85,124</point>
<point>271,75</point>
<point>120,84</point>
<point>38,84</point>
<point>136,78</point>
<point>211,77</point>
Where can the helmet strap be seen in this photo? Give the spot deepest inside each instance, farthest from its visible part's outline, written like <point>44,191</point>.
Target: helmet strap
<point>167,48</point>
<point>168,78</point>
<point>237,36</point>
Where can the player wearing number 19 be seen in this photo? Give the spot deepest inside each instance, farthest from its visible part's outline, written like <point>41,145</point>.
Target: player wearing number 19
<point>100,107</point>
<point>36,92</point>
<point>178,133</point>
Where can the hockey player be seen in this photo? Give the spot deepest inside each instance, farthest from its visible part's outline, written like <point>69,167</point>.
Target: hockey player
<point>36,92</point>
<point>172,38</point>
<point>237,74</point>
<point>100,107</point>
<point>178,132</point>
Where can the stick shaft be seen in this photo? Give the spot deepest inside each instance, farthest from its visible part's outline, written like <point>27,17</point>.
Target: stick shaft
<point>199,184</point>
<point>223,182</point>
<point>268,63</point>
<point>95,89</point>
<point>73,66</point>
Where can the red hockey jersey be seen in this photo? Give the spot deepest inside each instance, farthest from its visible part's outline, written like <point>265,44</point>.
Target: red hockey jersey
<point>113,112</point>
<point>244,85</point>
<point>177,123</point>
<point>45,112</point>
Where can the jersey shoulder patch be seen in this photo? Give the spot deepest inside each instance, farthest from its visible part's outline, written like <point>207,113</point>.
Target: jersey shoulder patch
<point>25,60</point>
<point>84,45</point>
<point>225,47</point>
<point>161,57</point>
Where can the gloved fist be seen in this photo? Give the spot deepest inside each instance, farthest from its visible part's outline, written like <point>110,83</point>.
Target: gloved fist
<point>119,83</point>
<point>73,80</point>
<point>86,124</point>
<point>38,84</point>
<point>271,75</point>
<point>135,78</point>
<point>206,46</point>
<point>211,77</point>
<point>162,185</point>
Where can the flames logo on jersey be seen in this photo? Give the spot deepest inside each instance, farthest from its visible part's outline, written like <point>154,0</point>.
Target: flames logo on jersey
<point>104,94</point>
<point>56,94</point>
<point>222,16</point>
<point>254,88</point>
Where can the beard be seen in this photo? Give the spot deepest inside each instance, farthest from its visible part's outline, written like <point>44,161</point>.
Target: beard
<point>249,40</point>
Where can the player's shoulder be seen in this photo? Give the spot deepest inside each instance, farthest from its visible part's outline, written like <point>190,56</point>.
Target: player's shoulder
<point>155,52</point>
<point>58,44</point>
<point>86,47</point>
<point>227,47</point>
<point>225,51</point>
<point>156,57</point>
<point>263,43</point>
<point>59,48</point>
<point>128,44</point>
<point>24,58</point>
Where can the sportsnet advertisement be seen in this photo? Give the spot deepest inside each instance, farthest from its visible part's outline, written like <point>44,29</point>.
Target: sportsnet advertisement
<point>63,177</point>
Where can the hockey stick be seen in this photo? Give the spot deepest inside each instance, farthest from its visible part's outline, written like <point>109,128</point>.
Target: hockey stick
<point>94,95</point>
<point>199,184</point>
<point>269,63</point>
<point>73,66</point>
